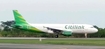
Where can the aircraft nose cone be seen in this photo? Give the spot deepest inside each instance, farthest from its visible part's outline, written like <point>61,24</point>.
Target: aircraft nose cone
<point>95,30</point>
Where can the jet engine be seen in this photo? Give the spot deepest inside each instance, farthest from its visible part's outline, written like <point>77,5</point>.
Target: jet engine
<point>67,33</point>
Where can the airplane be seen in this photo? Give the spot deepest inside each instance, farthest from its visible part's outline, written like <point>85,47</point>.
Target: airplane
<point>63,29</point>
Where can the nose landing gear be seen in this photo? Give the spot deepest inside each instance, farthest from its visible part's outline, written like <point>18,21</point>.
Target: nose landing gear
<point>85,35</point>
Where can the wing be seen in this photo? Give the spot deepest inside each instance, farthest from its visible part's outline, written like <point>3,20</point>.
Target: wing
<point>54,29</point>
<point>59,31</point>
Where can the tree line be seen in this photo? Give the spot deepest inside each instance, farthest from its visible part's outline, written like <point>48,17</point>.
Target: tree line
<point>7,30</point>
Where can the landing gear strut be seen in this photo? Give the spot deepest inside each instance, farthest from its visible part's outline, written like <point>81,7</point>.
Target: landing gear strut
<point>57,35</point>
<point>85,35</point>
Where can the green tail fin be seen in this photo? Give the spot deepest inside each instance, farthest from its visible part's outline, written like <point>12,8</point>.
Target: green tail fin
<point>18,18</point>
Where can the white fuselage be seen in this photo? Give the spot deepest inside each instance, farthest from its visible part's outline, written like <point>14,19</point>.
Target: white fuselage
<point>74,28</point>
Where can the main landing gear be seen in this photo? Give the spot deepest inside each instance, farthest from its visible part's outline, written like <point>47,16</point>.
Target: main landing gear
<point>57,33</point>
<point>56,36</point>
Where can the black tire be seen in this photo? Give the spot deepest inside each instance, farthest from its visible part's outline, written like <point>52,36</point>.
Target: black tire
<point>56,36</point>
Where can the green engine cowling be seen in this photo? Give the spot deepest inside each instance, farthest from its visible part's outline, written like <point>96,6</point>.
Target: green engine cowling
<point>67,33</point>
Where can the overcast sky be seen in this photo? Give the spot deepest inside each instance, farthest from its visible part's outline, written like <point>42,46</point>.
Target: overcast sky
<point>56,11</point>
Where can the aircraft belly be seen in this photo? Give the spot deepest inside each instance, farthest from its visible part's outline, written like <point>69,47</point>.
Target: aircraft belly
<point>78,31</point>
<point>82,31</point>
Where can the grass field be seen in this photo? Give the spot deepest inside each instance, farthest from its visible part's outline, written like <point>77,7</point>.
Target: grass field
<point>96,42</point>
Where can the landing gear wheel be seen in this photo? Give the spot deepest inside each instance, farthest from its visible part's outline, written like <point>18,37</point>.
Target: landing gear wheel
<point>56,36</point>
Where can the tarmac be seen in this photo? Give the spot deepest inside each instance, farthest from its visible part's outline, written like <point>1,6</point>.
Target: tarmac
<point>46,46</point>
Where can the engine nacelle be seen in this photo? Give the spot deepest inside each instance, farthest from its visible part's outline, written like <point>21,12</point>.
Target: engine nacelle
<point>67,33</point>
<point>49,31</point>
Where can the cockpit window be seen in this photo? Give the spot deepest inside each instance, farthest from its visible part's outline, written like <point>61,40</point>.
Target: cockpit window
<point>95,26</point>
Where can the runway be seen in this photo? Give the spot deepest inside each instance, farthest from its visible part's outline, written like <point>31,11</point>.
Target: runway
<point>20,38</point>
<point>46,46</point>
<point>47,38</point>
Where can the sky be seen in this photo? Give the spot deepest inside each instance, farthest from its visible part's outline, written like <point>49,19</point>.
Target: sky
<point>56,11</point>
